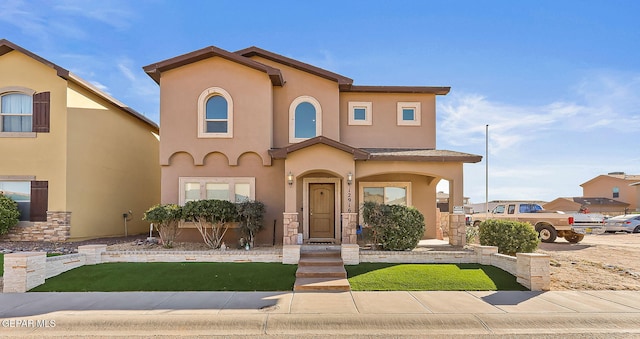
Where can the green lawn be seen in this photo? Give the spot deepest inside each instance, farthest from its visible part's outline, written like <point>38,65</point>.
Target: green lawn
<point>114,277</point>
<point>430,277</point>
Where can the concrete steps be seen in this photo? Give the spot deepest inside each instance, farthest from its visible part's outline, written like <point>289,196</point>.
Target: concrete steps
<point>321,269</point>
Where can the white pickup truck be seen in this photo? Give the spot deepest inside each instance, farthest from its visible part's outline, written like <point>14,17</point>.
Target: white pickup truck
<point>548,224</point>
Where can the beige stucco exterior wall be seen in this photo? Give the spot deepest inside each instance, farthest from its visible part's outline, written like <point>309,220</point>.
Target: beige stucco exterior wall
<point>602,186</point>
<point>113,167</point>
<point>251,92</point>
<point>316,161</point>
<point>269,189</point>
<point>424,178</point>
<point>299,83</point>
<point>45,155</point>
<point>384,131</point>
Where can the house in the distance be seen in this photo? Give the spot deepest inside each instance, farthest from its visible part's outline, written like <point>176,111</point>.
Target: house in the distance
<point>78,162</point>
<point>618,186</point>
<point>307,142</point>
<point>587,205</point>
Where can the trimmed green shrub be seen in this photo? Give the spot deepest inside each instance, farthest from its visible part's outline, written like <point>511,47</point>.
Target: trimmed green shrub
<point>250,216</point>
<point>211,218</point>
<point>394,227</point>
<point>165,219</point>
<point>9,214</point>
<point>510,237</point>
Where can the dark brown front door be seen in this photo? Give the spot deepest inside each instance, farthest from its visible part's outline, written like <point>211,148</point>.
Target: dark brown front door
<point>321,210</point>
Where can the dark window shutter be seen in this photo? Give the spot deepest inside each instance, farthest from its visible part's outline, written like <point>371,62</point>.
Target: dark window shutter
<point>39,200</point>
<point>41,112</point>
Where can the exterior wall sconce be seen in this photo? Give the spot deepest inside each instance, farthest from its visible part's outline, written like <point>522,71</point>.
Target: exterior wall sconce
<point>349,178</point>
<point>290,178</point>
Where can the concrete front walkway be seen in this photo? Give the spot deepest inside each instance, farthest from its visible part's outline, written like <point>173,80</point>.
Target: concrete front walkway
<point>566,314</point>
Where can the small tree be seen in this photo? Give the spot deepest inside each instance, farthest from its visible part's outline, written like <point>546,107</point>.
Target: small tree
<point>165,219</point>
<point>9,214</point>
<point>510,237</point>
<point>251,216</point>
<point>211,218</point>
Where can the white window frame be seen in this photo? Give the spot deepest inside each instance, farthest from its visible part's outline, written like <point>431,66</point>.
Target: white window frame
<point>368,113</point>
<point>16,90</point>
<point>202,113</point>
<point>400,184</point>
<point>416,116</point>
<point>292,117</point>
<point>203,181</point>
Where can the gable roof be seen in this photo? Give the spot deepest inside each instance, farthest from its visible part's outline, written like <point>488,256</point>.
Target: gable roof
<point>343,82</point>
<point>7,46</point>
<point>281,153</point>
<point>380,154</point>
<point>154,70</point>
<point>631,178</point>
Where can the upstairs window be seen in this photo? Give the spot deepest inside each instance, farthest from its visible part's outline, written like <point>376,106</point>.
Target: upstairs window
<point>217,117</point>
<point>360,113</point>
<point>616,192</point>
<point>215,114</point>
<point>16,110</point>
<point>305,116</point>
<point>408,114</point>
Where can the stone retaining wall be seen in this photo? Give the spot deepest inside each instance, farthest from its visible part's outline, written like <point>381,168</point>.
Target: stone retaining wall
<point>26,270</point>
<point>57,228</point>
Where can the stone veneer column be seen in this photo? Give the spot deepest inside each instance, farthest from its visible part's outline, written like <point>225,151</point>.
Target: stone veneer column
<point>24,271</point>
<point>350,254</point>
<point>457,230</point>
<point>533,271</point>
<point>349,228</point>
<point>291,224</point>
<point>92,253</point>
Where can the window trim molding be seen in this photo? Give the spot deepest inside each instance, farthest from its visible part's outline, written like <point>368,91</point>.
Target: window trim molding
<point>400,184</point>
<point>292,117</point>
<point>222,180</point>
<point>17,90</point>
<point>367,105</point>
<point>416,105</point>
<point>202,111</point>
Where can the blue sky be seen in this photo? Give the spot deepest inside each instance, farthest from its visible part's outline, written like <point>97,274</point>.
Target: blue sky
<point>557,81</point>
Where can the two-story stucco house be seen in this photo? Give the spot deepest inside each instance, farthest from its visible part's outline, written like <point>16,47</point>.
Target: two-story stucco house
<point>76,160</point>
<point>312,146</point>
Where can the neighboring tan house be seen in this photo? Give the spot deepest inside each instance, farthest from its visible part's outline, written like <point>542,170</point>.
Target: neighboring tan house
<point>615,185</point>
<point>308,143</point>
<point>590,205</point>
<point>76,160</point>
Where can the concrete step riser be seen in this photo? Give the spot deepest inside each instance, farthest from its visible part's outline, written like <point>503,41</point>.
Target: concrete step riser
<point>341,275</point>
<point>320,263</point>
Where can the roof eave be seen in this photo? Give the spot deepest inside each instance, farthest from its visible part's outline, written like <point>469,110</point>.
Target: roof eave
<point>154,70</point>
<point>437,90</point>
<point>256,51</point>
<point>466,159</point>
<point>7,46</point>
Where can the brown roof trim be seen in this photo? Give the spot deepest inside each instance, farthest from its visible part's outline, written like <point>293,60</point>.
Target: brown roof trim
<point>430,155</point>
<point>7,46</point>
<point>281,153</point>
<point>154,70</point>
<point>400,89</point>
<point>343,82</point>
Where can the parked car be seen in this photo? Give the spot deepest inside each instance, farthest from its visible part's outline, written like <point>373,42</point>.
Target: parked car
<point>623,223</point>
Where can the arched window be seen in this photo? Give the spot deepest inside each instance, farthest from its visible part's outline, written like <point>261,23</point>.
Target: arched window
<point>16,112</point>
<point>217,117</point>
<point>215,114</point>
<point>305,114</point>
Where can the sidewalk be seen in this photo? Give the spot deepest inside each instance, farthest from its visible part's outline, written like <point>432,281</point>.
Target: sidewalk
<point>609,314</point>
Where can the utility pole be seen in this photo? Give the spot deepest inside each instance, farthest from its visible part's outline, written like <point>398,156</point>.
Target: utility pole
<point>486,170</point>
